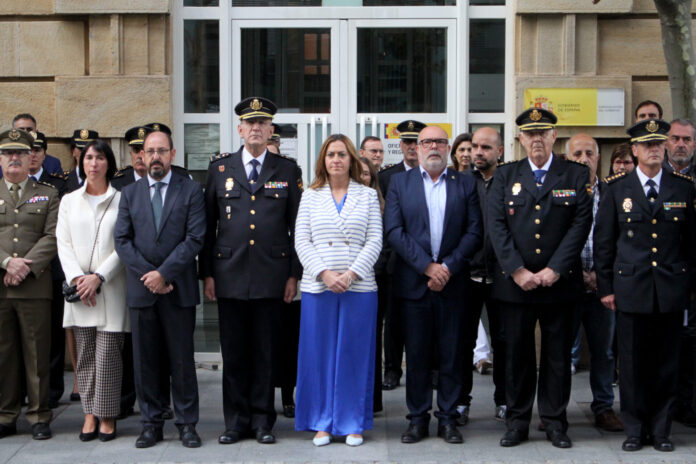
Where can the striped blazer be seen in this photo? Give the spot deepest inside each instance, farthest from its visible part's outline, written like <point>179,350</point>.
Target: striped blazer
<point>325,239</point>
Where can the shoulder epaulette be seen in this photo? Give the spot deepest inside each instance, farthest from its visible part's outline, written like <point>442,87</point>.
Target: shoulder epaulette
<point>122,172</point>
<point>505,163</point>
<point>67,173</point>
<point>58,175</point>
<point>683,176</point>
<point>284,156</point>
<point>45,183</point>
<point>615,177</point>
<point>386,166</point>
<point>219,156</point>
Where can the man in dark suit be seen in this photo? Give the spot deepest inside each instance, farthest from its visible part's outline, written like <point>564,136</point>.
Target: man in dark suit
<point>38,172</point>
<point>159,231</point>
<point>539,215</point>
<point>393,325</point>
<point>250,266</point>
<point>646,270</point>
<point>433,223</point>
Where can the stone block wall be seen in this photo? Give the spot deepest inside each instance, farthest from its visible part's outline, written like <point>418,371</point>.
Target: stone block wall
<point>570,43</point>
<point>98,64</point>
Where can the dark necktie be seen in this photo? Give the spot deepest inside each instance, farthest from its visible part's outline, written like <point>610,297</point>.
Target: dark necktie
<point>538,176</point>
<point>254,174</point>
<point>14,193</point>
<point>652,192</point>
<point>157,203</point>
<point>34,178</point>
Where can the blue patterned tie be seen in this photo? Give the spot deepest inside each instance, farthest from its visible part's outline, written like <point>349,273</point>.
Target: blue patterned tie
<point>652,193</point>
<point>157,203</point>
<point>538,176</point>
<point>254,174</point>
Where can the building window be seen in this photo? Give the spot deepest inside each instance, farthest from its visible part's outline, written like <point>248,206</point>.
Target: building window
<point>487,65</point>
<point>201,66</point>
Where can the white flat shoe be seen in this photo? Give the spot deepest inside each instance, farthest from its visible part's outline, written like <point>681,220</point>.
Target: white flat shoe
<point>321,441</point>
<point>354,441</point>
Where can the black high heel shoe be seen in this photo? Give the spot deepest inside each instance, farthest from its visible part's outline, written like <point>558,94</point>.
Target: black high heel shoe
<point>89,436</point>
<point>108,436</point>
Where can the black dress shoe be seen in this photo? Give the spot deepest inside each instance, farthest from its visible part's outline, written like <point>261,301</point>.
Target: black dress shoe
<point>167,413</point>
<point>514,437</point>
<point>41,431</point>
<point>89,436</point>
<point>74,397</point>
<point>559,439</point>
<point>265,437</point>
<point>125,413</point>
<point>189,437</point>
<point>391,380</point>
<point>632,444</point>
<point>663,444</point>
<point>229,437</point>
<point>53,403</point>
<point>107,436</point>
<point>450,434</point>
<point>149,437</point>
<point>289,410</point>
<point>7,430</point>
<point>414,433</point>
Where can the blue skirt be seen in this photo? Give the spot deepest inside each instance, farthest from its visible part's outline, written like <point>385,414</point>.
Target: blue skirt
<point>336,362</point>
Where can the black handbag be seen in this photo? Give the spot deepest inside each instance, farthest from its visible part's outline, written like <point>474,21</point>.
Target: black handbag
<point>70,291</point>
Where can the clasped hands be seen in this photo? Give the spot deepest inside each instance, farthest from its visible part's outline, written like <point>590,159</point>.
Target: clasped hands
<point>439,276</point>
<point>336,282</point>
<point>528,280</point>
<point>17,270</point>
<point>154,282</point>
<point>87,286</point>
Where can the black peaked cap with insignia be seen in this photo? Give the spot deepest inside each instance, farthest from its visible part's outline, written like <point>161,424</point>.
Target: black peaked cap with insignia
<point>649,130</point>
<point>81,137</point>
<point>536,119</point>
<point>158,127</point>
<point>39,139</point>
<point>255,107</point>
<point>409,130</point>
<point>276,132</point>
<point>136,135</point>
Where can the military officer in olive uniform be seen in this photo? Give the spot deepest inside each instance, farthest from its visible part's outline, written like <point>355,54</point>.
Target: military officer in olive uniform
<point>645,257</point>
<point>539,216</point>
<point>28,216</point>
<point>80,138</point>
<point>250,266</point>
<point>393,325</point>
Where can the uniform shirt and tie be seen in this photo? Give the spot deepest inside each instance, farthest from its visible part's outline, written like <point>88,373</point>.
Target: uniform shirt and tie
<point>540,173</point>
<point>37,176</point>
<point>648,183</point>
<point>252,163</point>
<point>15,192</point>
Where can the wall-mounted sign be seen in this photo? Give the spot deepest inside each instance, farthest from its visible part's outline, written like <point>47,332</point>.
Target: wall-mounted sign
<point>390,140</point>
<point>580,107</point>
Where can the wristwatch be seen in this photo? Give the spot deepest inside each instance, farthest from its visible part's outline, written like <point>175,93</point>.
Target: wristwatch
<point>101,277</point>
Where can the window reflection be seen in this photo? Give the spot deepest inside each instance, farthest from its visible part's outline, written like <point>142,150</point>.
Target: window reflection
<point>201,66</point>
<point>487,65</point>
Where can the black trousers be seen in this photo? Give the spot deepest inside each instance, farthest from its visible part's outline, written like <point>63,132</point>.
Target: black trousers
<point>383,303</point>
<point>164,328</point>
<point>687,364</point>
<point>57,355</point>
<point>393,330</point>
<point>648,371</point>
<point>556,323</point>
<point>128,395</point>
<point>248,334</point>
<point>479,294</point>
<point>432,323</point>
<point>287,353</point>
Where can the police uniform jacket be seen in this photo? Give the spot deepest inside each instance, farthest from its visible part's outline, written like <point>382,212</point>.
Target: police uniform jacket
<point>641,254</point>
<point>385,174</point>
<point>690,171</point>
<point>538,228</point>
<point>126,176</point>
<point>28,230</point>
<point>249,241</point>
<point>56,179</point>
<point>72,181</point>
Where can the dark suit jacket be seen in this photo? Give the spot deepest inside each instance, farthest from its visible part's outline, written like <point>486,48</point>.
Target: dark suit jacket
<point>385,175</point>
<point>72,182</point>
<point>126,176</point>
<point>538,228</point>
<point>641,254</point>
<point>408,231</point>
<point>249,244</point>
<point>171,250</point>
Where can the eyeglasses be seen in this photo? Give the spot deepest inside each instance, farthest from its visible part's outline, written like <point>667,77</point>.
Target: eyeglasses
<point>11,153</point>
<point>429,143</point>
<point>159,151</point>
<point>623,163</point>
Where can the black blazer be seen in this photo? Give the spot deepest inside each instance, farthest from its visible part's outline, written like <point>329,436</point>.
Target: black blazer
<point>408,231</point>
<point>249,247</point>
<point>171,250</point>
<point>537,228</point>
<point>643,254</point>
<point>72,182</point>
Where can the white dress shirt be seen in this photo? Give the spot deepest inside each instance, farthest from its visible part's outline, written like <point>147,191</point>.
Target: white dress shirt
<point>163,190</point>
<point>545,167</point>
<point>436,199</point>
<point>246,161</point>
<point>643,179</point>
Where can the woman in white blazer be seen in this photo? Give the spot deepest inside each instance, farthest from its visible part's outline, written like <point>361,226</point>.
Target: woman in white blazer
<point>99,318</point>
<point>338,237</point>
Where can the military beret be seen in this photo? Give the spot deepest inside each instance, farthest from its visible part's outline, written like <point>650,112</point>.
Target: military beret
<point>536,119</point>
<point>39,139</point>
<point>255,107</point>
<point>81,137</point>
<point>16,139</point>
<point>409,130</point>
<point>649,130</point>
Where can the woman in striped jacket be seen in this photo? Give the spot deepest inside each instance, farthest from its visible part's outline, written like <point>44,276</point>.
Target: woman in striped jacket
<point>338,237</point>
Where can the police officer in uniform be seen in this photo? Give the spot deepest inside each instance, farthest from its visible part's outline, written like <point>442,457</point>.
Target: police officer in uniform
<point>539,216</point>
<point>80,138</point>
<point>645,258</point>
<point>393,326</point>
<point>28,216</point>
<point>250,266</point>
